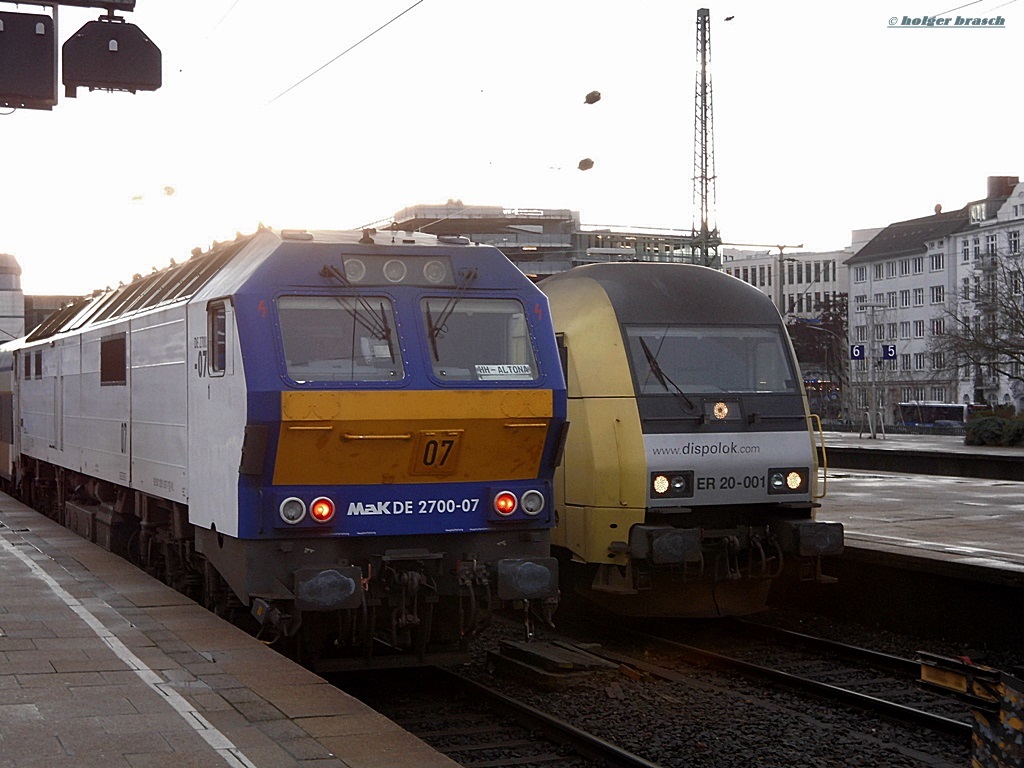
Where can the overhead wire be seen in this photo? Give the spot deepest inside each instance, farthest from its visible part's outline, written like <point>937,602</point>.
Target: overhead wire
<point>226,14</point>
<point>973,2</point>
<point>347,50</point>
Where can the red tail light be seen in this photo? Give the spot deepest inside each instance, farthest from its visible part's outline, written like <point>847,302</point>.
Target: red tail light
<point>322,510</point>
<point>505,503</point>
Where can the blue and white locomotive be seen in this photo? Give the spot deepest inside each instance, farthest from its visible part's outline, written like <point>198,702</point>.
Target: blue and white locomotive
<point>352,434</point>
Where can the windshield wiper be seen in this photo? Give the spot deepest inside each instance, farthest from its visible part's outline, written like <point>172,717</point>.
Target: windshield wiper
<point>432,332</point>
<point>379,328</point>
<point>662,377</point>
<point>437,329</point>
<point>386,329</point>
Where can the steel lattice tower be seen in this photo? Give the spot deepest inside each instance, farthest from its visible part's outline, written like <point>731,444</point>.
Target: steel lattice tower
<point>708,238</point>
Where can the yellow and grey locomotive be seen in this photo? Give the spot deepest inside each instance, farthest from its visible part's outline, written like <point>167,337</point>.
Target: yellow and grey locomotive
<point>690,472</point>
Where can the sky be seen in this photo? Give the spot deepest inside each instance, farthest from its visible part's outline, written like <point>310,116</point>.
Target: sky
<point>828,117</point>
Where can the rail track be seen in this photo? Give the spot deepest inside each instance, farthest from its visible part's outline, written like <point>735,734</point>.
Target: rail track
<point>875,682</point>
<point>477,726</point>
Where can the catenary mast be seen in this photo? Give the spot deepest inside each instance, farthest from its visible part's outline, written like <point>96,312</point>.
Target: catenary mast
<point>708,237</point>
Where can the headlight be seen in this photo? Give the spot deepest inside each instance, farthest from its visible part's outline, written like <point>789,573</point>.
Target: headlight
<point>532,502</point>
<point>394,271</point>
<point>783,480</point>
<point>292,510</point>
<point>671,485</point>
<point>355,270</point>
<point>435,271</point>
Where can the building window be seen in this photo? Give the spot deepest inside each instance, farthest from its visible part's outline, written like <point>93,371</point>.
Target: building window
<point>938,294</point>
<point>965,250</point>
<point>1013,241</point>
<point>860,274</point>
<point>938,262</point>
<point>919,329</point>
<point>891,330</point>
<point>113,361</point>
<point>990,245</point>
<point>860,332</point>
<point>905,366</point>
<point>904,329</point>
<point>890,299</point>
<point>879,332</point>
<point>890,269</point>
<point>918,264</point>
<point>939,394</point>
<point>37,356</point>
<point>938,361</point>
<point>904,267</point>
<point>919,297</point>
<point>905,298</point>
<point>879,271</point>
<point>938,326</point>
<point>859,301</point>
<point>977,247</point>
<point>965,288</point>
<point>919,362</point>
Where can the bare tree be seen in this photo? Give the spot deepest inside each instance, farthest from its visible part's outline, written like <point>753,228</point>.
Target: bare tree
<point>982,326</point>
<point>821,343</point>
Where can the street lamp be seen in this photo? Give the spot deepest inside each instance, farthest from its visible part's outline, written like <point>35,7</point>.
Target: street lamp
<point>873,405</point>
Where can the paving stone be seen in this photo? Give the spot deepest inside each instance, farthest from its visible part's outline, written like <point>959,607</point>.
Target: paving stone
<point>68,699</point>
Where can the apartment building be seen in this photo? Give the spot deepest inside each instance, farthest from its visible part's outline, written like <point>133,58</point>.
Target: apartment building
<point>903,286</point>
<point>987,254</point>
<point>810,280</point>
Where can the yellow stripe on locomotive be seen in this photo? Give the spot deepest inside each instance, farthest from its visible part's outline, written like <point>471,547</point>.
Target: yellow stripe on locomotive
<point>349,438</point>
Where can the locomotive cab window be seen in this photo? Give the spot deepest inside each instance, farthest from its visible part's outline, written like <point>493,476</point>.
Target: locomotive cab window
<point>217,337</point>
<point>340,338</point>
<point>709,359</point>
<point>478,339</point>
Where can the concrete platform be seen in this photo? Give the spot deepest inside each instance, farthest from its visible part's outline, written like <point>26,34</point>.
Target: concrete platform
<point>924,454</point>
<point>966,527</point>
<point>103,667</point>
